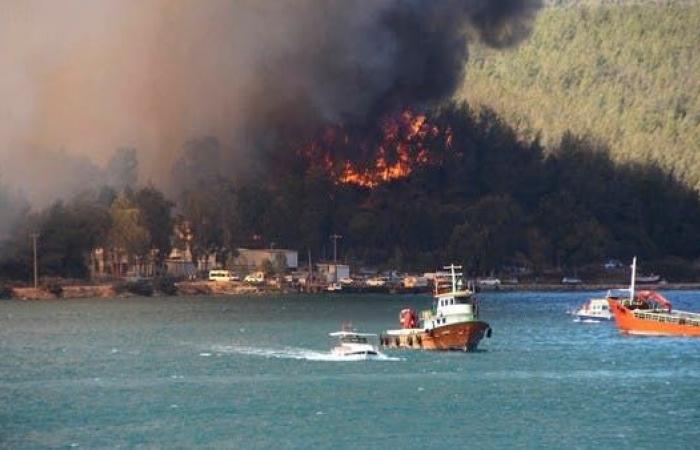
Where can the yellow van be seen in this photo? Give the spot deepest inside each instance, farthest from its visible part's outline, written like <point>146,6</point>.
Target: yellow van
<point>220,275</point>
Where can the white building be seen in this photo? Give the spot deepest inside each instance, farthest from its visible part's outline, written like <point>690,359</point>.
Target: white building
<point>332,272</point>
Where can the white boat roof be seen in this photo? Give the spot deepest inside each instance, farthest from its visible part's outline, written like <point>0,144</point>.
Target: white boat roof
<point>350,333</point>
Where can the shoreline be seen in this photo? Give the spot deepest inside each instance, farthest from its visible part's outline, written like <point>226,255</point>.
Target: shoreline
<point>210,288</point>
<point>544,287</point>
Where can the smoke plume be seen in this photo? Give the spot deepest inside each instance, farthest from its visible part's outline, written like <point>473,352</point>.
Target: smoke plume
<point>82,78</point>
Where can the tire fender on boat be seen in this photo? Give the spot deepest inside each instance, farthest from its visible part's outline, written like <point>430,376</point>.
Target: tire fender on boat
<point>488,332</point>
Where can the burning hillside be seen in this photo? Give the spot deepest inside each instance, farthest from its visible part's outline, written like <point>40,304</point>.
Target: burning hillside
<point>398,146</point>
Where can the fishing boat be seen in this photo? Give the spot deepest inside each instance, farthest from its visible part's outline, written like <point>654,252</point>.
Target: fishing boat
<point>649,313</point>
<point>595,310</point>
<point>354,345</point>
<point>452,323</point>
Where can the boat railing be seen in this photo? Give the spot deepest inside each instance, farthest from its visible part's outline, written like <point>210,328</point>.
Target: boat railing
<point>445,287</point>
<point>683,318</point>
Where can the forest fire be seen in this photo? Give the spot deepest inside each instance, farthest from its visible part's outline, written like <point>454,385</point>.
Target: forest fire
<point>400,145</point>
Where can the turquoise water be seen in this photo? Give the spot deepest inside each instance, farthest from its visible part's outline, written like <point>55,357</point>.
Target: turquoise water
<point>254,373</point>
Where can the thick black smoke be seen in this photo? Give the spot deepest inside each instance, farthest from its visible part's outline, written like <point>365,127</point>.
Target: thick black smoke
<point>351,61</point>
<point>92,76</point>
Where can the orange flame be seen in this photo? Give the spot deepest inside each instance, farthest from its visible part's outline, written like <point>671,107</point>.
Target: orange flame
<point>400,151</point>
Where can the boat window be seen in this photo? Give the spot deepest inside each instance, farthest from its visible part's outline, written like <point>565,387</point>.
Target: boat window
<point>354,339</point>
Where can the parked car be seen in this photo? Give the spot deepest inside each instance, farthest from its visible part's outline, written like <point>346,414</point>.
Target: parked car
<point>490,281</point>
<point>414,281</point>
<point>377,281</point>
<point>612,264</point>
<point>255,278</point>
<point>571,280</point>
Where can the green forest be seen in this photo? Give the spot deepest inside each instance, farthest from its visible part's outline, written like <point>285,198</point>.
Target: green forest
<point>627,73</point>
<point>493,202</point>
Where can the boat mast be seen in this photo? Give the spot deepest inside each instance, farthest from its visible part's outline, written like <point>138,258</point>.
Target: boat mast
<point>634,275</point>
<point>452,268</point>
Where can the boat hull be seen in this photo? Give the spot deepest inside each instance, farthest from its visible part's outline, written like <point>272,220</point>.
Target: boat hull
<point>463,336</point>
<point>597,318</point>
<point>652,324</point>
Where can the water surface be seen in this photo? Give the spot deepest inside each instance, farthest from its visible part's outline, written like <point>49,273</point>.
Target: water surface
<point>230,372</point>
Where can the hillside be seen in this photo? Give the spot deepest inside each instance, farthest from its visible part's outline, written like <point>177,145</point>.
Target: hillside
<point>627,74</point>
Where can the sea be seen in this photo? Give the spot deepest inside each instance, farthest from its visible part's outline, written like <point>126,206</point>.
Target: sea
<point>256,373</point>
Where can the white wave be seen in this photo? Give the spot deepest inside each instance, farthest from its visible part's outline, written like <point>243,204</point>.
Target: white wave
<point>296,353</point>
<point>577,320</point>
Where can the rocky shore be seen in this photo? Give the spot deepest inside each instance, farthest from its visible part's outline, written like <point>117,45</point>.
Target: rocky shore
<point>114,290</point>
<point>194,288</point>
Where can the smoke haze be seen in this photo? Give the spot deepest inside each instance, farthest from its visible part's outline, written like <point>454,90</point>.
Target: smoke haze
<point>82,78</point>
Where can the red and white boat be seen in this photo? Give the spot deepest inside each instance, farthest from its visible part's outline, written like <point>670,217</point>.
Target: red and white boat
<point>452,324</point>
<point>650,313</point>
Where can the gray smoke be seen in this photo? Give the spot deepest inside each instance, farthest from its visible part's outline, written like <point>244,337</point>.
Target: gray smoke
<point>92,76</point>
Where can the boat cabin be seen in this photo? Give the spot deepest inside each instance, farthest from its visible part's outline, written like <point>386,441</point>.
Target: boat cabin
<point>350,337</point>
<point>353,339</point>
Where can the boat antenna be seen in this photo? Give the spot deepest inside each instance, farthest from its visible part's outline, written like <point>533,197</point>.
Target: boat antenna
<point>634,275</point>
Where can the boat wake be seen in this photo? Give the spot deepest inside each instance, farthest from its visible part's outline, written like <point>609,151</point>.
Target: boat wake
<point>578,320</point>
<point>296,353</point>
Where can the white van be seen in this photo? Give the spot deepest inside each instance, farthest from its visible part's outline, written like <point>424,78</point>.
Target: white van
<point>220,275</point>
<point>255,278</point>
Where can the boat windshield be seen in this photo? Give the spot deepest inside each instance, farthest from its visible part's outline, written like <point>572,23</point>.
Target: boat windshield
<point>353,339</point>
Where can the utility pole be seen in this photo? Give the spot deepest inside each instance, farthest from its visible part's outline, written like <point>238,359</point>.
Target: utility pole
<point>36,268</point>
<point>335,238</point>
<point>310,280</point>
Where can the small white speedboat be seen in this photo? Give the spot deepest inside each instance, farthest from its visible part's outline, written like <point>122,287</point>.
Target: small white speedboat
<point>334,287</point>
<point>594,310</point>
<point>355,346</point>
